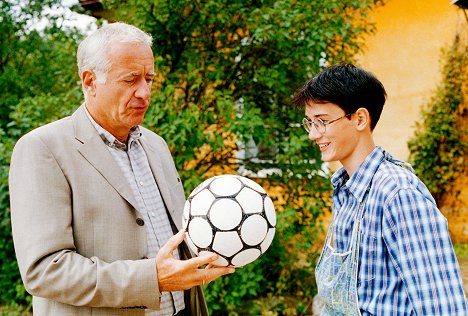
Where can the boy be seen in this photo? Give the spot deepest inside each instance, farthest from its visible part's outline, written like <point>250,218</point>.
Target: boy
<point>388,250</point>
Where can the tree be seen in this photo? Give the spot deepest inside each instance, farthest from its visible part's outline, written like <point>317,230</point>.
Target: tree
<point>38,84</point>
<point>33,62</point>
<point>226,72</point>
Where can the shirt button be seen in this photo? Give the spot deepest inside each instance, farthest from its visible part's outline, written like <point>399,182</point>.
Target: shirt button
<point>140,222</point>
<point>141,183</point>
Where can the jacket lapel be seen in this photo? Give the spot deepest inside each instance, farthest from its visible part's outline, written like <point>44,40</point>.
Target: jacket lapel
<point>93,149</point>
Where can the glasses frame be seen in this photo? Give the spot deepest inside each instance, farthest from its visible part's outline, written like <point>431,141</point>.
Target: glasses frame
<point>319,124</point>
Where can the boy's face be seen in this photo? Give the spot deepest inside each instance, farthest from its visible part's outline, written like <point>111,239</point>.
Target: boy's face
<point>338,139</point>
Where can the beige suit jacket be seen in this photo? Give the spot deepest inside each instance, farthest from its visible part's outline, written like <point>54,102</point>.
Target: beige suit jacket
<point>79,248</point>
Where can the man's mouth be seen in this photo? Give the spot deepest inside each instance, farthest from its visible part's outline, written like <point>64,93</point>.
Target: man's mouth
<point>139,106</point>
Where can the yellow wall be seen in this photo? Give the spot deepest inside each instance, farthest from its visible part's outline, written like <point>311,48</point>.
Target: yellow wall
<point>404,54</point>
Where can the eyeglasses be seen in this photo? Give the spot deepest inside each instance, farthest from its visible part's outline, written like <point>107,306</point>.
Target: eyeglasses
<point>319,124</point>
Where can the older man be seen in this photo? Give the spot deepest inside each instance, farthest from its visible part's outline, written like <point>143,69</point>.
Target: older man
<point>96,199</point>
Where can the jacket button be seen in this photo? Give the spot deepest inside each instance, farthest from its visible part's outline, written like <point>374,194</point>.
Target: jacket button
<point>140,222</point>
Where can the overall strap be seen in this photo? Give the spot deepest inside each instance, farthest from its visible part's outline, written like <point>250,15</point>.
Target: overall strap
<point>357,219</point>
<point>355,237</point>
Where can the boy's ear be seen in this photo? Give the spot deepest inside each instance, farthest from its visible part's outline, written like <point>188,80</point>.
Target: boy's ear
<point>363,119</point>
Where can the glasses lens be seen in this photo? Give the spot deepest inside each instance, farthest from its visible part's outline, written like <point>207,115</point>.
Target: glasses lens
<point>317,123</point>
<point>306,124</point>
<point>320,125</point>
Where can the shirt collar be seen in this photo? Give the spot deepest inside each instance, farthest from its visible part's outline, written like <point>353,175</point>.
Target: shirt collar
<point>397,162</point>
<point>339,178</point>
<point>110,139</point>
<point>362,177</point>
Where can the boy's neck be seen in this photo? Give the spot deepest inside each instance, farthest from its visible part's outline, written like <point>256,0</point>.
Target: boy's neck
<point>363,149</point>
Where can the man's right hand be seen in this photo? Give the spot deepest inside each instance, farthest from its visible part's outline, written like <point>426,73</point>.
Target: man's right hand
<point>177,275</point>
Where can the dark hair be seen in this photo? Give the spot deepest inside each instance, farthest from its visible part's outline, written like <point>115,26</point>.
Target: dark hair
<point>347,86</point>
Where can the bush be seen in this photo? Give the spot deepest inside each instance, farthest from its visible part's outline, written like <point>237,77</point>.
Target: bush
<point>38,84</point>
<point>30,113</point>
<point>439,147</point>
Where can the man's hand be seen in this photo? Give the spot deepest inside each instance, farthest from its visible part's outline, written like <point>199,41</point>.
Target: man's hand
<point>176,275</point>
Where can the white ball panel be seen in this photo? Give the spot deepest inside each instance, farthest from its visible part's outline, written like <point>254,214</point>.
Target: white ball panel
<point>225,185</point>
<point>200,232</point>
<point>200,187</point>
<point>225,214</point>
<point>245,257</point>
<point>190,244</point>
<point>185,217</point>
<point>268,239</point>
<point>250,200</point>
<point>254,230</point>
<point>252,184</point>
<point>201,203</point>
<point>227,243</point>
<point>270,211</point>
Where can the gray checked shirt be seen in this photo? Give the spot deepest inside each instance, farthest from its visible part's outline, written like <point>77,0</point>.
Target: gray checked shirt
<point>135,167</point>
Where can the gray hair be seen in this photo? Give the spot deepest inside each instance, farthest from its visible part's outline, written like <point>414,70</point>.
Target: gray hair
<point>93,50</point>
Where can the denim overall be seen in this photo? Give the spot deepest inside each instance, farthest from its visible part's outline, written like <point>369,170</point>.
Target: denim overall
<point>336,273</point>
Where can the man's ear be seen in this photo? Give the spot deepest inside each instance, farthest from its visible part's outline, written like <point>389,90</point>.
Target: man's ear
<point>88,80</point>
<point>363,119</point>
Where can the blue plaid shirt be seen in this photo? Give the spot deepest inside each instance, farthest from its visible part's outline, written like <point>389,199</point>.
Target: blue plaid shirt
<point>407,264</point>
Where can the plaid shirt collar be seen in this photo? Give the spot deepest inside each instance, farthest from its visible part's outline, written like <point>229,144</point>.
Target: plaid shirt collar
<point>110,139</point>
<point>362,177</point>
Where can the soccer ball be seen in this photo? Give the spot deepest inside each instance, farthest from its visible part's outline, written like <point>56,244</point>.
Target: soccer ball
<point>232,216</point>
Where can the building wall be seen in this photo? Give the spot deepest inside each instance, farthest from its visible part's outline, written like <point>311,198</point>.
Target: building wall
<point>404,54</point>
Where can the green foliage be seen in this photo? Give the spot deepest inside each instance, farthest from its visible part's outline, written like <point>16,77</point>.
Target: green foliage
<point>439,147</point>
<point>26,54</point>
<point>38,84</point>
<point>226,73</point>
<point>461,250</point>
<point>15,309</point>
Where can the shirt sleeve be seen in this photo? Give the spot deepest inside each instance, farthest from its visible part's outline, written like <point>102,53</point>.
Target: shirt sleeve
<point>418,241</point>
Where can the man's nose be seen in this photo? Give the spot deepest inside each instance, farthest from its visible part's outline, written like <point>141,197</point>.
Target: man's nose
<point>144,90</point>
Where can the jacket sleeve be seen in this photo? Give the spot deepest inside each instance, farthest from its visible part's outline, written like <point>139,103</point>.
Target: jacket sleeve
<point>41,217</point>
